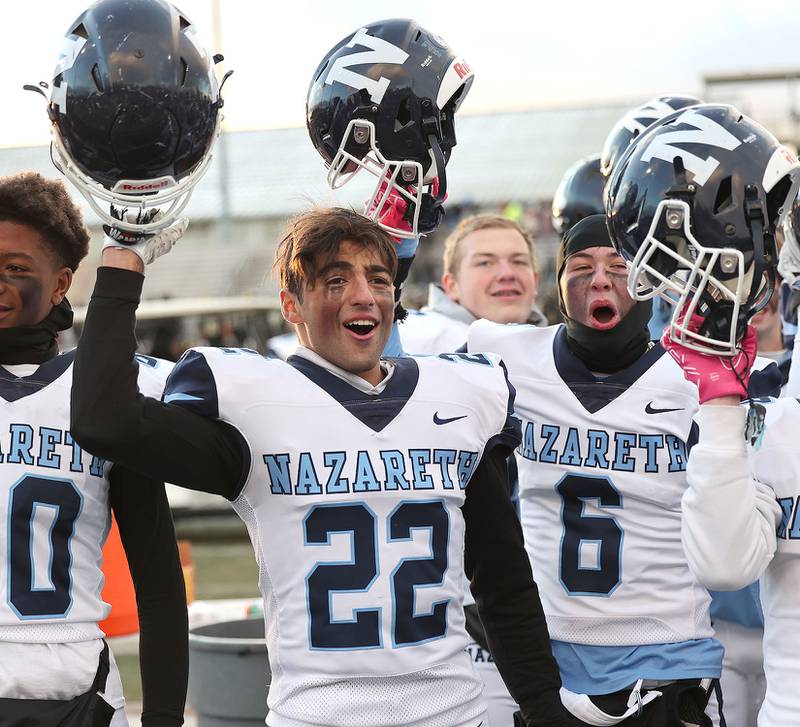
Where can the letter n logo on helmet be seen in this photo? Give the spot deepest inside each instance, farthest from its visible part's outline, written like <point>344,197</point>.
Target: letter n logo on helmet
<point>380,51</point>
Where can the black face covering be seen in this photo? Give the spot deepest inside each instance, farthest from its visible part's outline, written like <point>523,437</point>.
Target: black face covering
<point>609,351</point>
<point>35,344</point>
<point>602,351</point>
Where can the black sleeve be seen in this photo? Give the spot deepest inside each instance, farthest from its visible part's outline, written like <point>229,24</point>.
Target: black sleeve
<point>148,536</point>
<point>506,595</point>
<point>111,419</point>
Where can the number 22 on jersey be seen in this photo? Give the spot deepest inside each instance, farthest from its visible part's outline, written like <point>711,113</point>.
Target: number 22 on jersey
<point>358,522</point>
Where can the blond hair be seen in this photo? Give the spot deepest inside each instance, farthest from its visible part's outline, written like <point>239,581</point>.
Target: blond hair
<point>452,245</point>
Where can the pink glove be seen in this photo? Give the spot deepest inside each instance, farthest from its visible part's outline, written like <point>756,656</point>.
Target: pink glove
<point>391,214</point>
<point>715,376</point>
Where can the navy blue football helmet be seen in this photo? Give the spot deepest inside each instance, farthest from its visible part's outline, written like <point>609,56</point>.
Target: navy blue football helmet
<point>384,99</point>
<point>693,207</point>
<point>135,110</point>
<point>636,121</point>
<point>579,194</point>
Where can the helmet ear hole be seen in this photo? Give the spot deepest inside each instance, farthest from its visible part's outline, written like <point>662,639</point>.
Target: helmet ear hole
<point>403,117</point>
<point>724,198</point>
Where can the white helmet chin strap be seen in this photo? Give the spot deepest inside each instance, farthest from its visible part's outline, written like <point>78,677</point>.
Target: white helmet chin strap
<point>145,195</point>
<point>686,288</point>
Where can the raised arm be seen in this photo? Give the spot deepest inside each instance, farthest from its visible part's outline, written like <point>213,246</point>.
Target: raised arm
<point>729,519</point>
<point>111,419</point>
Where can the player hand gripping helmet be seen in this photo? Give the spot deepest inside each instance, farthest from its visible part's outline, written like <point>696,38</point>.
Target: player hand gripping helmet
<point>135,108</point>
<point>384,99</point>
<point>693,207</point>
<point>579,194</point>
<point>628,128</point>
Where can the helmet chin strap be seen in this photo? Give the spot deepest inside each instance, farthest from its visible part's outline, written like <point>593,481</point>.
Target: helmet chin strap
<point>763,263</point>
<point>432,207</point>
<point>763,256</point>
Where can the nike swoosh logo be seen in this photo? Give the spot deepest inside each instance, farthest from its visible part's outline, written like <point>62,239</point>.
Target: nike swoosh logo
<point>650,410</point>
<point>437,420</point>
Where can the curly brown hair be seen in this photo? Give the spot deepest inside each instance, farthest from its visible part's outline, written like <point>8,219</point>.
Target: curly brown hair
<point>314,237</point>
<point>43,204</point>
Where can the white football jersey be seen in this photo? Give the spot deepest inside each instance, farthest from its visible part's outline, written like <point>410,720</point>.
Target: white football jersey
<point>431,332</point>
<point>55,503</point>
<point>777,464</point>
<point>352,503</point>
<point>601,472</point>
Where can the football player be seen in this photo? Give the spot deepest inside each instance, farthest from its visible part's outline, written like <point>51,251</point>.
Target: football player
<point>607,419</point>
<point>489,272</point>
<point>56,506</point>
<point>368,486</point>
<point>705,240</point>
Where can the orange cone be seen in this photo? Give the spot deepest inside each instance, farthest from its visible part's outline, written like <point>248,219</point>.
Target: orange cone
<point>118,589</point>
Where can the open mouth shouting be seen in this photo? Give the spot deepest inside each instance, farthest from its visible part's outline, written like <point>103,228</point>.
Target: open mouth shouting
<point>362,329</point>
<point>603,314</point>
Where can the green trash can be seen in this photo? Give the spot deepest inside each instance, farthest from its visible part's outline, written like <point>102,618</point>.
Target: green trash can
<point>229,674</point>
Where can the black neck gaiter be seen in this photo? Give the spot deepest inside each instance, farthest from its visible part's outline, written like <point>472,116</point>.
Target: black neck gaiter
<point>602,351</point>
<point>35,344</point>
<point>609,351</point>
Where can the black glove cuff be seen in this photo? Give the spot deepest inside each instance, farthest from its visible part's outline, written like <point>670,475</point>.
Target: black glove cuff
<point>403,268</point>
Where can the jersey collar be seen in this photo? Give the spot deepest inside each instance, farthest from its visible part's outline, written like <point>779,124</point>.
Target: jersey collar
<point>595,392</point>
<point>376,411</point>
<point>13,387</point>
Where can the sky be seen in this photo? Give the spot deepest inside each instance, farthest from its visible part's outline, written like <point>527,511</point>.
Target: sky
<point>525,54</point>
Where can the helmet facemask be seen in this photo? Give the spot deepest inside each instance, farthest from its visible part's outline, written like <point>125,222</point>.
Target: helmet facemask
<point>395,179</point>
<point>135,111</point>
<point>135,200</point>
<point>680,270</point>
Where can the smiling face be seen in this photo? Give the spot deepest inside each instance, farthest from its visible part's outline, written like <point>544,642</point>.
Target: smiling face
<point>32,279</point>
<point>594,288</point>
<point>495,278</point>
<point>345,315</point>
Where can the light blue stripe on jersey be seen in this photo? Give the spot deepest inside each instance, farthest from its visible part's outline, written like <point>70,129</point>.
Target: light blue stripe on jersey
<point>178,396</point>
<point>742,607</point>
<point>604,669</point>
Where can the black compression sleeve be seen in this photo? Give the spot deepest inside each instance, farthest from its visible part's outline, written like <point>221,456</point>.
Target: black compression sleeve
<point>148,536</point>
<point>506,595</point>
<point>110,418</point>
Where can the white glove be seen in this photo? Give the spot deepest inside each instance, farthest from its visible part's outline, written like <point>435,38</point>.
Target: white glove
<point>789,258</point>
<point>148,246</point>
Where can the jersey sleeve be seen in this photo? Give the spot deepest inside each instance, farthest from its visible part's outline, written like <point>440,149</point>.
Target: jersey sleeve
<point>728,518</point>
<point>112,419</point>
<point>191,385</point>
